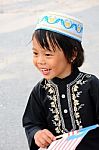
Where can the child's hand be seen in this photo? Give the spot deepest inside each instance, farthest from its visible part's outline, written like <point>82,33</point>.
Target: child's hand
<point>43,138</point>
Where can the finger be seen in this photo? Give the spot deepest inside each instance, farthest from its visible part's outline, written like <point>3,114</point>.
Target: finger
<point>46,139</point>
<point>49,134</point>
<point>42,143</point>
<point>40,139</point>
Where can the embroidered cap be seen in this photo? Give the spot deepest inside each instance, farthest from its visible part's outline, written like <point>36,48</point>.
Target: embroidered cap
<point>61,23</point>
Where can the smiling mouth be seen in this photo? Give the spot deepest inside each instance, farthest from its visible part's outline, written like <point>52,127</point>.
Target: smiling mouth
<point>45,71</point>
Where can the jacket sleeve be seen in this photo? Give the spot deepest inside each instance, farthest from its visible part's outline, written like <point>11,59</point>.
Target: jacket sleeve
<point>94,92</point>
<point>33,118</point>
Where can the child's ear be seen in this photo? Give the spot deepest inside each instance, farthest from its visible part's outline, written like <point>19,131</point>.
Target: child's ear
<point>74,55</point>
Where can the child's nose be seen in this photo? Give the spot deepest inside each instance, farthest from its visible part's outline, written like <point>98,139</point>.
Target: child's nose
<point>41,60</point>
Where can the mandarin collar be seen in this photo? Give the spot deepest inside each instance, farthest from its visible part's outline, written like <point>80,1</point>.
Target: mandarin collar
<point>67,79</point>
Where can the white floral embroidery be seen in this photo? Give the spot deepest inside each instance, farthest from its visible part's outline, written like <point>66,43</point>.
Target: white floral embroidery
<point>73,96</point>
<point>80,106</point>
<point>54,107</point>
<point>78,94</point>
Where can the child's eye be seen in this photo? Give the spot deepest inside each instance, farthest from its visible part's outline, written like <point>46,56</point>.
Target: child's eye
<point>48,54</point>
<point>35,53</point>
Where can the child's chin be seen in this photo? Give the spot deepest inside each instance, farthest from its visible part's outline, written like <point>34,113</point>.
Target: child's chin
<point>48,78</point>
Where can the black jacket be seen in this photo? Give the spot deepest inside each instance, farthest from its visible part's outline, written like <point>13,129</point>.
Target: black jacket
<point>63,105</point>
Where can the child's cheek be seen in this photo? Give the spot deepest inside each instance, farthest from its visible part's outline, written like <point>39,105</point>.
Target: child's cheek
<point>34,61</point>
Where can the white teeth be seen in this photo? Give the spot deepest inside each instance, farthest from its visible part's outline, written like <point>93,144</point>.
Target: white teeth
<point>44,69</point>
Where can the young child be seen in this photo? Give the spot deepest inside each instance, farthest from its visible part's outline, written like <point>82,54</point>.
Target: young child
<point>66,99</point>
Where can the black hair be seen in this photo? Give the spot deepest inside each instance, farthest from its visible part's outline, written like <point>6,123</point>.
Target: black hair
<point>68,45</point>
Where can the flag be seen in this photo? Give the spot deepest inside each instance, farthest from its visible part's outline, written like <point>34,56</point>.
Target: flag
<point>69,141</point>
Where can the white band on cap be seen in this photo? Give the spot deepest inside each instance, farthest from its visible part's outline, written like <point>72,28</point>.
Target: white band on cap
<point>61,23</point>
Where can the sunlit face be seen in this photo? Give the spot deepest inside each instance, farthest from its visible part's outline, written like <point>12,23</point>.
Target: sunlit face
<point>50,63</point>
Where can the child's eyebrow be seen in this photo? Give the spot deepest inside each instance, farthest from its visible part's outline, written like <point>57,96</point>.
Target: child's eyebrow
<point>33,48</point>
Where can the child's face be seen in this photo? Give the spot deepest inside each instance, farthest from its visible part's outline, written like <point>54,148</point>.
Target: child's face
<point>50,63</point>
